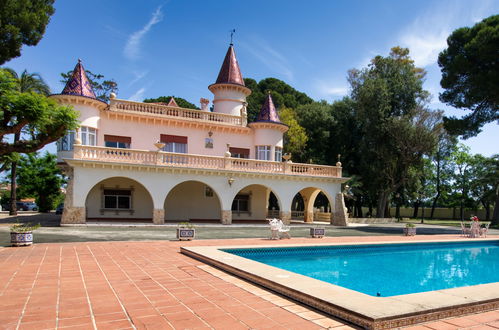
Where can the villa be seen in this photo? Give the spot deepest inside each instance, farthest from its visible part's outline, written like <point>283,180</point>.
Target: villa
<point>160,163</point>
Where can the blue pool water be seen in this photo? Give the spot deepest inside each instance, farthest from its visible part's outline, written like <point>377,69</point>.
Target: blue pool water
<point>388,269</point>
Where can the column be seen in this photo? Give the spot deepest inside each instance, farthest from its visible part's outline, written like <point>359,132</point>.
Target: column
<point>226,217</point>
<point>158,216</point>
<point>285,217</point>
<point>308,215</point>
<point>340,216</point>
<point>71,214</point>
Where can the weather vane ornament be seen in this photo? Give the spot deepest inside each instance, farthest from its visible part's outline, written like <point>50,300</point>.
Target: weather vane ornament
<point>232,35</point>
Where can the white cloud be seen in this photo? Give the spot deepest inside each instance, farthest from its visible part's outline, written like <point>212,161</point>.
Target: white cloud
<point>132,47</point>
<point>270,57</point>
<point>137,75</point>
<point>325,88</point>
<point>138,95</point>
<point>427,35</point>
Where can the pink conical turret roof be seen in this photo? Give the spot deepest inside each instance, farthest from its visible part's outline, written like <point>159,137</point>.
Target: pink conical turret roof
<point>78,83</point>
<point>268,113</point>
<point>230,72</point>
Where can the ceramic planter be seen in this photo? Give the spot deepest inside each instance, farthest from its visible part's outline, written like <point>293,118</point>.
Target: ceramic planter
<point>410,231</point>
<point>317,232</point>
<point>185,234</point>
<point>21,239</point>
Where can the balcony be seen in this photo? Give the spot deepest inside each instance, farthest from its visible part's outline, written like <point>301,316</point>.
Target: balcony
<point>163,111</point>
<point>169,159</point>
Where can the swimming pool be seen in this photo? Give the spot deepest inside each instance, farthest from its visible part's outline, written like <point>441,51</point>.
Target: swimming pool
<point>391,309</point>
<point>388,270</point>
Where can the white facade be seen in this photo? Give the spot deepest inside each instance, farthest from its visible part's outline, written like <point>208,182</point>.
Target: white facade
<point>161,164</point>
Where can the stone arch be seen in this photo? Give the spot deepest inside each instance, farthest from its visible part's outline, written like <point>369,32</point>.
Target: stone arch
<point>309,195</point>
<point>253,203</point>
<point>192,200</point>
<point>119,198</point>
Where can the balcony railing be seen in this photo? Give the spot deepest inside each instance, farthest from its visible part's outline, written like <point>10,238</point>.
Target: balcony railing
<point>159,110</point>
<point>160,158</point>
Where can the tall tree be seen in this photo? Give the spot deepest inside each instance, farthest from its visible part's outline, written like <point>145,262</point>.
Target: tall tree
<point>183,103</point>
<point>396,128</point>
<point>295,139</point>
<point>283,95</point>
<point>40,177</point>
<point>28,121</point>
<point>102,87</point>
<point>470,76</point>
<point>22,22</point>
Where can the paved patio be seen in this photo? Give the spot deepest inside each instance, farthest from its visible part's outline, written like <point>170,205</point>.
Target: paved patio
<point>150,285</point>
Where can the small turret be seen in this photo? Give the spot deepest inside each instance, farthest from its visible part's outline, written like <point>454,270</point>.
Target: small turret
<point>229,90</point>
<point>269,131</point>
<point>78,84</point>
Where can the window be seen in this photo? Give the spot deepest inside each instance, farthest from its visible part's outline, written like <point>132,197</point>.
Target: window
<point>66,142</point>
<point>114,141</point>
<point>174,143</point>
<point>263,152</point>
<point>88,136</point>
<point>117,199</point>
<point>239,152</point>
<point>278,154</point>
<point>241,203</point>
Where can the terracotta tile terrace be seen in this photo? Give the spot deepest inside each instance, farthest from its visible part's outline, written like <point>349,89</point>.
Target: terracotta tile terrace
<point>150,285</point>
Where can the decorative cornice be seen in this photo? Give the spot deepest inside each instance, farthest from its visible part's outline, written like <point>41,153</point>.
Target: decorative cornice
<point>269,124</point>
<point>227,86</point>
<point>79,99</point>
<point>186,170</point>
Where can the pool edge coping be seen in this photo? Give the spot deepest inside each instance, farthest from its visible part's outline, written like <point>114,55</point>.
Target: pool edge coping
<point>358,308</point>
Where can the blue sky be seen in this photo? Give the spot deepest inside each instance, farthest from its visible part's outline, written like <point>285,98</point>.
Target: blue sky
<point>153,48</point>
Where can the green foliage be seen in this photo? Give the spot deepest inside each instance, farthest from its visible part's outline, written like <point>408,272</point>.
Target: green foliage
<point>39,177</point>
<point>102,87</point>
<point>393,129</point>
<point>317,120</point>
<point>22,22</point>
<point>470,76</point>
<point>24,227</point>
<point>283,95</point>
<point>183,103</point>
<point>29,82</point>
<point>295,139</point>
<point>37,119</point>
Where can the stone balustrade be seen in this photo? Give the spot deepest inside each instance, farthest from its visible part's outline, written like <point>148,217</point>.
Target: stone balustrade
<point>173,112</point>
<point>161,158</point>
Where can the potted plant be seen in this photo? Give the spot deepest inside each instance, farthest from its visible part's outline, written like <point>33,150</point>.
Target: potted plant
<point>21,234</point>
<point>317,232</point>
<point>185,231</point>
<point>410,229</point>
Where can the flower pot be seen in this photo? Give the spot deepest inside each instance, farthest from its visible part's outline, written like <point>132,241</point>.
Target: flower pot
<point>21,239</point>
<point>317,232</point>
<point>410,231</point>
<point>185,234</point>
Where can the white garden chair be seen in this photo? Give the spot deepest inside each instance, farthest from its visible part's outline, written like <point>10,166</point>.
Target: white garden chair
<point>484,228</point>
<point>283,229</point>
<point>274,228</point>
<point>465,230</point>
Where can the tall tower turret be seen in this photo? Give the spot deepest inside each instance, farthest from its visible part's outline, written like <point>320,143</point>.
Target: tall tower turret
<point>229,90</point>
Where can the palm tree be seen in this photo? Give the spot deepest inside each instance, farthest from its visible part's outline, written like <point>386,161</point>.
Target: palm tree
<point>29,82</point>
<point>26,83</point>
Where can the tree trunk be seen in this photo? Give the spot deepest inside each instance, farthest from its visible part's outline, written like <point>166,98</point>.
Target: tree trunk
<point>397,211</point>
<point>13,182</point>
<point>13,188</point>
<point>495,216</point>
<point>381,207</point>
<point>434,204</point>
<point>358,207</point>
<point>416,209</point>
<point>387,209</point>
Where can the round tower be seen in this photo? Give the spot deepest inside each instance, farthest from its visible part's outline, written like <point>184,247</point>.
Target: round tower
<point>269,130</point>
<point>79,93</point>
<point>229,90</point>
